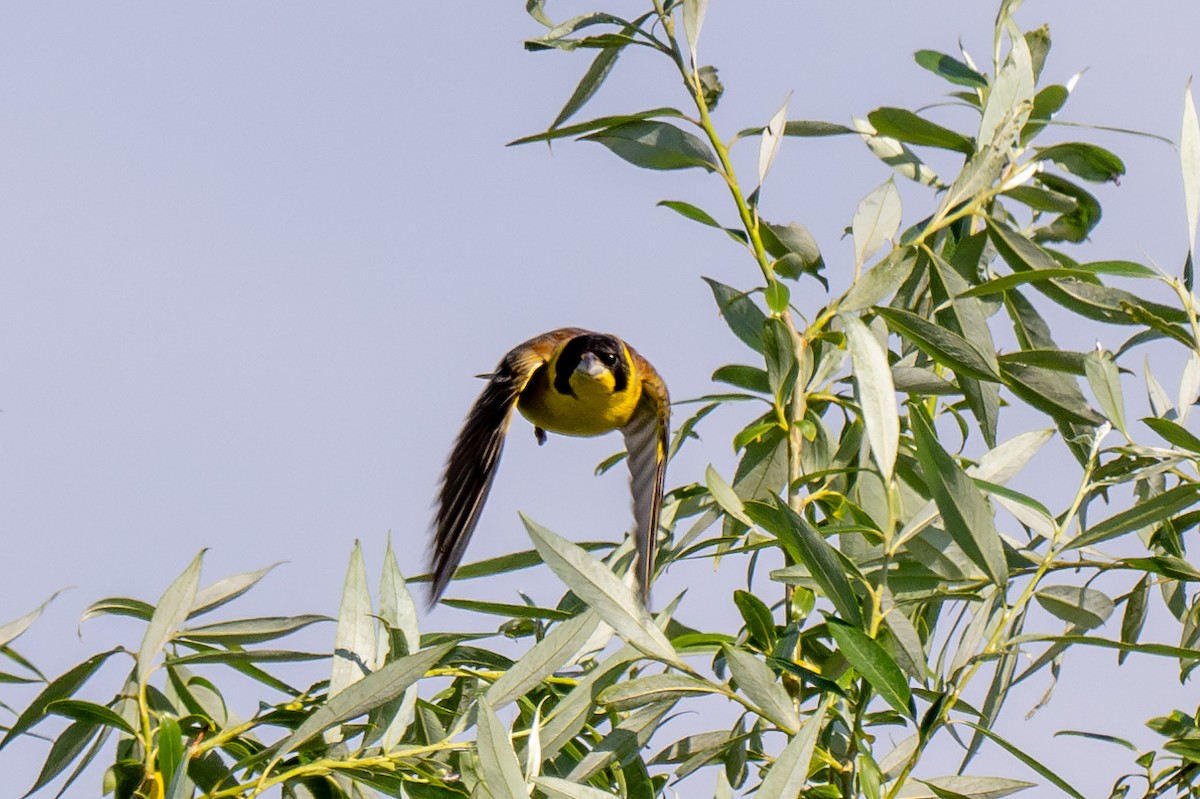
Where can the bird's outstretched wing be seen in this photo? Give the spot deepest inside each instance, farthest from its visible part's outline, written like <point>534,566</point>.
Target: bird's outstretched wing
<point>471,466</point>
<point>646,438</point>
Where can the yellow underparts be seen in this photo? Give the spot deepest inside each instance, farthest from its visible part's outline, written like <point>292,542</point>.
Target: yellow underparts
<point>595,408</point>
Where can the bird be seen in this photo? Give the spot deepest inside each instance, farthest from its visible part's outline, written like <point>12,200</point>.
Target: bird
<point>568,381</point>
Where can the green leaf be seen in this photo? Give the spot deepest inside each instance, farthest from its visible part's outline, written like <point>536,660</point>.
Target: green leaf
<point>750,378</point>
<point>90,712</point>
<point>510,609</point>
<point>1086,608</point>
<point>744,318</point>
<point>725,496</point>
<point>630,694</point>
<point>689,211</point>
<point>170,748</point>
<point>1134,617</point>
<point>756,680</point>
<point>169,614</point>
<point>875,665</point>
<point>789,773</point>
<point>875,392</point>
<point>1050,392</point>
<point>760,624</point>
<point>250,631</point>
<point>1145,513</point>
<point>575,709</point>
<point>964,510</point>
<point>1174,433</point>
<point>1105,380</point>
<point>778,296</point>
<point>118,606</point>
<point>501,771</point>
<point>12,630</point>
<point>623,743</point>
<point>881,281</point>
<point>875,221</point>
<point>66,748</point>
<point>224,591</point>
<point>655,145</point>
<point>372,691</point>
<point>1041,199</point>
<point>592,581</point>
<point>913,129</point>
<point>597,124</point>
<point>1002,284</point>
<point>1028,760</point>
<point>589,84</point>
<point>942,345</point>
<point>1085,160</point>
<point>950,68</point>
<point>806,545</point>
<point>61,688</point>
<point>548,655</point>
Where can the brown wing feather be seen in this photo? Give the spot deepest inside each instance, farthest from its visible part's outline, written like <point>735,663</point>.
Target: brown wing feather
<point>646,438</point>
<point>471,467</point>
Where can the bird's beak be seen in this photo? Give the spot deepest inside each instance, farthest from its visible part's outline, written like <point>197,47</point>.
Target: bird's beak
<point>590,365</point>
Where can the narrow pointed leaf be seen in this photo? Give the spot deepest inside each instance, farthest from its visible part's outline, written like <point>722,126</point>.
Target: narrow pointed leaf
<point>543,659</point>
<point>652,144</point>
<point>365,695</point>
<point>756,680</point>
<point>801,540</point>
<point>876,393</point>
<point>354,645</point>
<point>603,591</point>
<point>942,345</point>
<point>875,665</point>
<point>964,510</point>
<point>227,590</point>
<point>1028,760</point>
<point>876,221</point>
<point>1105,380</point>
<point>90,712</point>
<point>744,318</point>
<point>170,612</point>
<point>630,694</point>
<point>908,127</point>
<point>1151,511</point>
<point>497,759</point>
<point>62,687</point>
<point>789,773</point>
<point>558,788</point>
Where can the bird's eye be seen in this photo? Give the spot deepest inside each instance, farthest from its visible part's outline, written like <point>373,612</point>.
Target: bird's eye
<point>608,358</point>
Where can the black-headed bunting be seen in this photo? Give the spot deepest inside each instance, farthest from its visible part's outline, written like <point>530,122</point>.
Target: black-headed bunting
<point>567,381</point>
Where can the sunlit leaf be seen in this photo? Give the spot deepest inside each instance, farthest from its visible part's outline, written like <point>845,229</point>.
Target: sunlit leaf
<point>169,614</point>
<point>592,581</point>
<point>875,221</point>
<point>497,760</point>
<point>875,392</point>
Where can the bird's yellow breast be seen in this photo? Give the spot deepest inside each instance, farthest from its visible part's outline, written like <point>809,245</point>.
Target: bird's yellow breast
<point>594,409</point>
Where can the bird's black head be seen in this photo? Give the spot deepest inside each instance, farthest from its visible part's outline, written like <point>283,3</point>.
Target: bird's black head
<point>605,348</point>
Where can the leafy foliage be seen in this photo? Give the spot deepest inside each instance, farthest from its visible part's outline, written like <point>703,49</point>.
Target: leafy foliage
<point>911,572</point>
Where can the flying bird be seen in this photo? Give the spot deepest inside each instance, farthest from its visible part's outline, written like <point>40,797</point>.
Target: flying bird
<point>572,382</point>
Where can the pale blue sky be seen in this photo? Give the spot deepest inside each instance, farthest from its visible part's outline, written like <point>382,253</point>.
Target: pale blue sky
<point>253,253</point>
